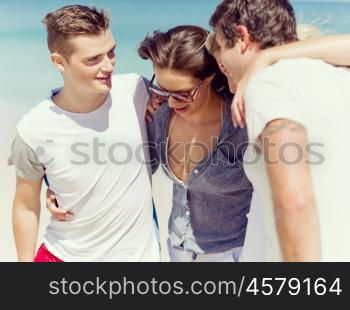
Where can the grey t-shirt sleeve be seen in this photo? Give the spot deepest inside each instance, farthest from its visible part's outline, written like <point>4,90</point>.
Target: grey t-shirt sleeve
<point>25,160</point>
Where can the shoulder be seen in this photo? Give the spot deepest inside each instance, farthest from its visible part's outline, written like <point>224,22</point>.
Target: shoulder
<point>129,84</point>
<point>273,82</point>
<point>287,79</point>
<point>33,123</point>
<point>288,74</point>
<point>275,74</point>
<point>277,93</point>
<point>127,79</point>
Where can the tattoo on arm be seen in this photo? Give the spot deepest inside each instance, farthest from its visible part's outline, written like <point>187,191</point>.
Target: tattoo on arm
<point>278,125</point>
<point>275,127</point>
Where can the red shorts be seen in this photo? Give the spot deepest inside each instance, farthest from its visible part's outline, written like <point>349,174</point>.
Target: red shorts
<point>44,256</point>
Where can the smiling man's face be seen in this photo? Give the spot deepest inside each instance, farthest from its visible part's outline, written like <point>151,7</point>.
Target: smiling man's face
<point>237,59</point>
<point>90,66</point>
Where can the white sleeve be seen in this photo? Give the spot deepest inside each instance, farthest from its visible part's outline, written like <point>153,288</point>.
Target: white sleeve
<point>269,97</point>
<point>141,97</point>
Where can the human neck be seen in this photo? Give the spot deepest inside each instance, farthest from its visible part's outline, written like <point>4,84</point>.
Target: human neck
<point>73,101</point>
<point>210,109</point>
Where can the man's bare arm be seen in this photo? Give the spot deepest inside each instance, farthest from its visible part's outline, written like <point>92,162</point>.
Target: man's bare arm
<point>25,217</point>
<point>284,144</point>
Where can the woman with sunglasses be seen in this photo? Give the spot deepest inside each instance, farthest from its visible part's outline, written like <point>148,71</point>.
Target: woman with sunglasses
<point>194,141</point>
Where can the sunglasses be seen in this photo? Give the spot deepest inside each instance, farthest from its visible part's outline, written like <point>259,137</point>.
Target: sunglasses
<point>185,97</point>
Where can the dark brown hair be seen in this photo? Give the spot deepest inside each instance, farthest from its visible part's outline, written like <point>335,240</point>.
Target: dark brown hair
<point>269,22</point>
<point>70,21</point>
<point>183,48</point>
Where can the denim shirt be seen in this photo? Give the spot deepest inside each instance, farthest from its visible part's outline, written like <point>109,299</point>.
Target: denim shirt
<point>209,210</point>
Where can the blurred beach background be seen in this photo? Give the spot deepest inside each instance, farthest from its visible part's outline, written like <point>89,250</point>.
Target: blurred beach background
<point>27,75</point>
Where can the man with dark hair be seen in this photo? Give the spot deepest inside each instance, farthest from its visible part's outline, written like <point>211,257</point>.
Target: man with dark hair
<point>297,114</point>
<point>264,23</point>
<point>85,140</point>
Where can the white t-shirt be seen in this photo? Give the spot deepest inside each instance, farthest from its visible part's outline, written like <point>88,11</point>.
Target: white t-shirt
<point>317,95</point>
<point>95,163</point>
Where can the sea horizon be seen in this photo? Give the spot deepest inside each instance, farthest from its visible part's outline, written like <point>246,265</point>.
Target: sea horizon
<point>26,57</point>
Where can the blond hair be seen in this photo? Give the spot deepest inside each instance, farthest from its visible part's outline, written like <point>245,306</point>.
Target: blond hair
<point>211,44</point>
<point>308,31</point>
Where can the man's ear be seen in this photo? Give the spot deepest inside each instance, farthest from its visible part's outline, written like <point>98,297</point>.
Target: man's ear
<point>58,61</point>
<point>243,38</point>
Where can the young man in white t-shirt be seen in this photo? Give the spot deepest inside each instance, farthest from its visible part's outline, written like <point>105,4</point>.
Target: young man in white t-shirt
<point>86,139</point>
<point>297,114</point>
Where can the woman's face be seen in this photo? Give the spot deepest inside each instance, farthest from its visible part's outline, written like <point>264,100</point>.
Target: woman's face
<point>180,82</point>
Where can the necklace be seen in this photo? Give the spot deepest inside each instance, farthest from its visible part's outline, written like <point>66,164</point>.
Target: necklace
<point>171,126</point>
